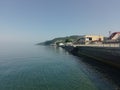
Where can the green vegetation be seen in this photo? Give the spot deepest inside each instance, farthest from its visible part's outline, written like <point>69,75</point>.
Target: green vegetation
<point>60,40</point>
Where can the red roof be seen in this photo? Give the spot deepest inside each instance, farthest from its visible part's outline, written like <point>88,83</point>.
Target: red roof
<point>117,32</point>
<point>113,34</point>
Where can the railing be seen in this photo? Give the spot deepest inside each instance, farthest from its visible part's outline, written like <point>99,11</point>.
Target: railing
<point>100,45</point>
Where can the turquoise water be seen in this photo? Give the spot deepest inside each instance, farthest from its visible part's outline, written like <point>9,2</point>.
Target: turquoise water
<point>31,67</point>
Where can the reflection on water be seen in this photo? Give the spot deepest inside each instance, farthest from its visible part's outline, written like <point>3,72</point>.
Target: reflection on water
<point>29,67</point>
<point>108,72</point>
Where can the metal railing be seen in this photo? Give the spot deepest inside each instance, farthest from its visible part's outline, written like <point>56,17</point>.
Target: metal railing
<point>100,45</point>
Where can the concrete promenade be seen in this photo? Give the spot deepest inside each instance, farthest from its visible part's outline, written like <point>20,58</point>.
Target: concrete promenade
<point>100,45</point>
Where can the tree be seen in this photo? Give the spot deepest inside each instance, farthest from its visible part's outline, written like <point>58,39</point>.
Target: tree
<point>68,40</point>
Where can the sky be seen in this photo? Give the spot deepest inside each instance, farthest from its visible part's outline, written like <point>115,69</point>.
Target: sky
<point>39,20</point>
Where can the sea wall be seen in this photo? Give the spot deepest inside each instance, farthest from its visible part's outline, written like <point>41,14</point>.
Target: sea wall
<point>108,55</point>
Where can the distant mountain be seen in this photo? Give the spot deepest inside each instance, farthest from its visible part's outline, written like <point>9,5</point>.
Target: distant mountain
<point>72,38</point>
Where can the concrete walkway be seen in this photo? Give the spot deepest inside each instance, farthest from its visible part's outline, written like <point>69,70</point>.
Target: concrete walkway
<point>99,45</point>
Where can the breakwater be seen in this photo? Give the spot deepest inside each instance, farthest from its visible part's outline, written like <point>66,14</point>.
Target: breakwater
<point>108,55</point>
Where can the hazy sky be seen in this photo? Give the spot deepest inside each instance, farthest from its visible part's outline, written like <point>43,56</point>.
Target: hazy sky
<point>39,20</point>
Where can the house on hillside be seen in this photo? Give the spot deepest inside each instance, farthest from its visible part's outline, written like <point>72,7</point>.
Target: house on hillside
<point>90,39</point>
<point>113,38</point>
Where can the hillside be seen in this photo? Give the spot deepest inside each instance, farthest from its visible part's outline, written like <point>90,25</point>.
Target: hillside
<point>60,39</point>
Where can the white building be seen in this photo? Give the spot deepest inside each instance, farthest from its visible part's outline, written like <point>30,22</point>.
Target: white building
<point>87,39</point>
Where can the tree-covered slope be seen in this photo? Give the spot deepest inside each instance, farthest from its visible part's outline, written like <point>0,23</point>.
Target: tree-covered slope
<point>60,39</point>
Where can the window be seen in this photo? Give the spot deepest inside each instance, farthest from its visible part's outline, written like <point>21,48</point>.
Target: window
<point>90,38</point>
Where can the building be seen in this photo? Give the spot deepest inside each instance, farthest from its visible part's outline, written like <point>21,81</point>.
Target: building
<point>114,36</point>
<point>60,44</point>
<point>90,39</point>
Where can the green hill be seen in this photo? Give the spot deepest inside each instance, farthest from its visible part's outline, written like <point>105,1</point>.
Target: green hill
<point>60,39</point>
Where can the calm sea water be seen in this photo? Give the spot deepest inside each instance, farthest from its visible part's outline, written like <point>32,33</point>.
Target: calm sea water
<point>31,67</point>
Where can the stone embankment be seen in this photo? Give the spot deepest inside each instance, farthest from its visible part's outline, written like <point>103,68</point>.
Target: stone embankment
<point>108,55</point>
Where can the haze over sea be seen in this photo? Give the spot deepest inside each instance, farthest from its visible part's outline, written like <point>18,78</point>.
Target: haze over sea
<point>31,67</point>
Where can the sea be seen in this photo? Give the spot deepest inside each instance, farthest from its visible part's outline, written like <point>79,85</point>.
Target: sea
<point>36,67</point>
